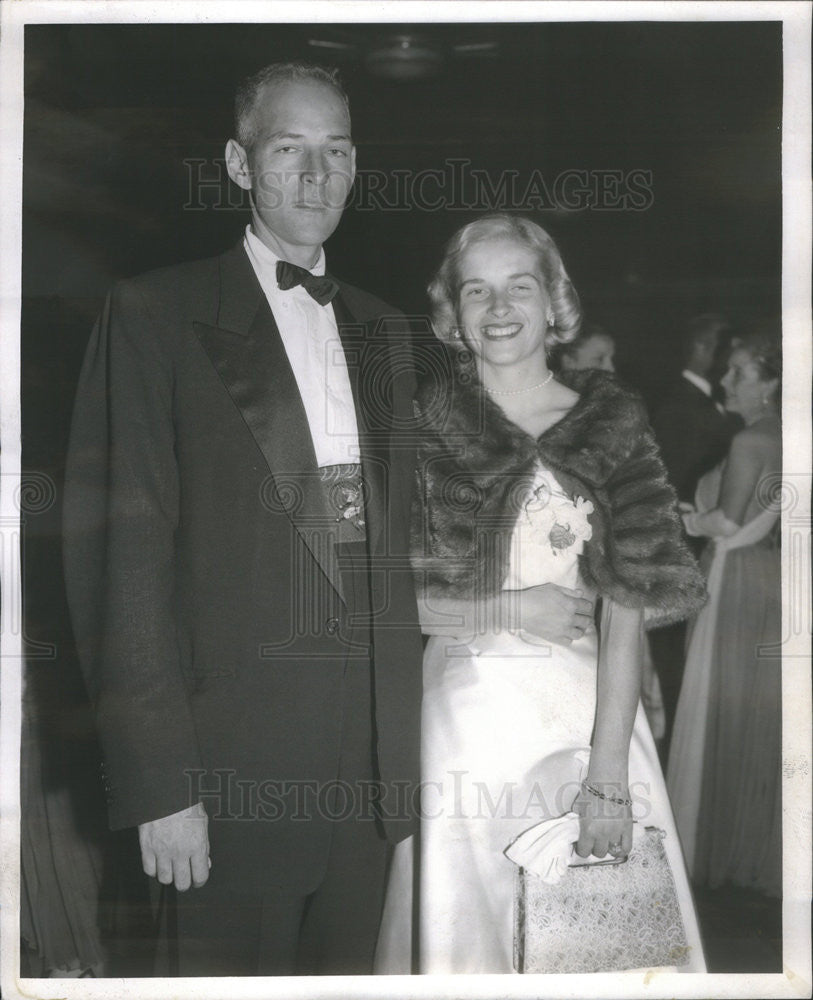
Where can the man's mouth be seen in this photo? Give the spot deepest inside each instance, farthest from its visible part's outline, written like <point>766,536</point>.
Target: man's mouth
<point>501,332</point>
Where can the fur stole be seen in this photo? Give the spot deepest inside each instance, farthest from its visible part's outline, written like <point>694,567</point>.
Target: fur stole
<point>475,468</point>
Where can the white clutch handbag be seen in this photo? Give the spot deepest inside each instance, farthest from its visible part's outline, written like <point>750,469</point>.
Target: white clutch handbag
<point>601,917</point>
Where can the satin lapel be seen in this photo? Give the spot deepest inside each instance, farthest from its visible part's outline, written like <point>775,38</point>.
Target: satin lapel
<point>367,367</point>
<point>250,359</point>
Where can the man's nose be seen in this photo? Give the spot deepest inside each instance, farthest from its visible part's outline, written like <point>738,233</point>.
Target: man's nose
<point>314,169</point>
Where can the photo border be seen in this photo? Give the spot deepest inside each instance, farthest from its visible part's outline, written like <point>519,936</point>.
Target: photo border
<point>796,299</point>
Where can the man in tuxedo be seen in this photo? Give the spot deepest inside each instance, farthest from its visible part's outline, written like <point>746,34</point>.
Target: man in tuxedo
<point>236,547</point>
<point>694,433</point>
<point>691,426</point>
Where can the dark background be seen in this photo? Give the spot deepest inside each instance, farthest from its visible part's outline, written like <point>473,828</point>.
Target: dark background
<point>113,114</point>
<point>114,111</point>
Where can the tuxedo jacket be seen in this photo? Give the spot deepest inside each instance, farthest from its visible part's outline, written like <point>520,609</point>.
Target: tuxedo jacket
<point>207,607</point>
<point>693,435</point>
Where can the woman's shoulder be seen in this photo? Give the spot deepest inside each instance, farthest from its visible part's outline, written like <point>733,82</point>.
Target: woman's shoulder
<point>563,396</point>
<point>761,440</point>
<point>599,386</point>
<point>603,399</point>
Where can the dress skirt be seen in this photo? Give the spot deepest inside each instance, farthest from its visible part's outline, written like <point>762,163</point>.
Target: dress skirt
<point>506,734</point>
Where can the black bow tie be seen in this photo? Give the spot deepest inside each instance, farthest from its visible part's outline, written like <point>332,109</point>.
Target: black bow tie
<point>320,288</point>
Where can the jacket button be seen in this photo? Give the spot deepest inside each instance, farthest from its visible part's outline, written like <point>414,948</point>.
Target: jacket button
<point>332,626</point>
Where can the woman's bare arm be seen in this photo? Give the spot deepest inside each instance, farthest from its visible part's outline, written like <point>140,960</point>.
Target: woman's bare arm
<point>744,465</point>
<point>605,821</point>
<point>550,612</point>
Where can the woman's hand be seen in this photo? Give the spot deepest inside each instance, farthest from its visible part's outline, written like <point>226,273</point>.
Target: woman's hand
<point>605,825</point>
<point>550,612</point>
<point>709,524</point>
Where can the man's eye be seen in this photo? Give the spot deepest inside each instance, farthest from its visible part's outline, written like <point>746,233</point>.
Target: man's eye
<point>338,152</point>
<point>474,292</point>
<point>521,288</point>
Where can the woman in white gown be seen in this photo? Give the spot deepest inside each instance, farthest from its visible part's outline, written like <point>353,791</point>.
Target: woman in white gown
<point>537,497</point>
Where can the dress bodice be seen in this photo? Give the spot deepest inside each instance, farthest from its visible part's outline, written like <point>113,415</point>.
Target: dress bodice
<point>549,535</point>
<point>707,493</point>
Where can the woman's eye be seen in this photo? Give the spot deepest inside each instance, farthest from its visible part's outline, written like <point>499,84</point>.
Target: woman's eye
<point>474,292</point>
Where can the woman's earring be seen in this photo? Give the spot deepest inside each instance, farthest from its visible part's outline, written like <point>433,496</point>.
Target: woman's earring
<point>551,321</point>
<point>456,334</point>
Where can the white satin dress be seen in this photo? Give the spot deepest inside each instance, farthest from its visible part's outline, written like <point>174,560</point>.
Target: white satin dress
<point>506,730</point>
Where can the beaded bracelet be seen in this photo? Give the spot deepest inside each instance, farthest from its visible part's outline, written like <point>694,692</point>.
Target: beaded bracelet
<point>609,798</point>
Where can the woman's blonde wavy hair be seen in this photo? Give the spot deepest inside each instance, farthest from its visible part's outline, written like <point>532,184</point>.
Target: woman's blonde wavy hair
<point>444,287</point>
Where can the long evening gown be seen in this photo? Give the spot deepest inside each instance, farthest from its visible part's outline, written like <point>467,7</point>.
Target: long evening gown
<point>724,772</point>
<point>61,838</point>
<point>505,741</point>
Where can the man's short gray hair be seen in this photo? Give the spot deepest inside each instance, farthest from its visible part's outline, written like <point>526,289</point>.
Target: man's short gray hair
<point>248,92</point>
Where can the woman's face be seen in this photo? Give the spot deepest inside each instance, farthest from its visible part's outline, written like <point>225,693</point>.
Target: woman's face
<point>745,390</point>
<point>597,351</point>
<point>503,305</point>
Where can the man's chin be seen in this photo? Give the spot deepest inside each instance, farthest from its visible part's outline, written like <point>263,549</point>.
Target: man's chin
<point>307,233</point>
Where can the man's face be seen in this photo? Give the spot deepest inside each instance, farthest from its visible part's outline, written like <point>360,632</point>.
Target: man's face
<point>597,351</point>
<point>722,349</point>
<point>300,167</point>
<point>705,351</point>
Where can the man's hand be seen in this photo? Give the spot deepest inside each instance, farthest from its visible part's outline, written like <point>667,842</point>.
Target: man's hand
<point>553,613</point>
<point>176,848</point>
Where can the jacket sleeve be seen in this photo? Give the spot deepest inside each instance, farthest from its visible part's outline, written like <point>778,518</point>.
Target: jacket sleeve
<point>120,518</point>
<point>645,561</point>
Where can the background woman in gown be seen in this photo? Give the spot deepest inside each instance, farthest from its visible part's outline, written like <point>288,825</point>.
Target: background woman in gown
<point>724,770</point>
<point>528,481</point>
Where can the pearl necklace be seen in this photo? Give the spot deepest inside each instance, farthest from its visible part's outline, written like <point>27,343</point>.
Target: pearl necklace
<point>519,392</point>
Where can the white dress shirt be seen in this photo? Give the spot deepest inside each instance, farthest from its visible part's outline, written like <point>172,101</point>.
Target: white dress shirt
<point>311,339</point>
<point>703,385</point>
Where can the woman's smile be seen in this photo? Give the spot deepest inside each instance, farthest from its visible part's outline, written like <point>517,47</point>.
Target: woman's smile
<point>495,331</point>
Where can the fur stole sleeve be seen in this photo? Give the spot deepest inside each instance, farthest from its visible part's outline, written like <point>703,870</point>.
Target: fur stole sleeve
<point>474,471</point>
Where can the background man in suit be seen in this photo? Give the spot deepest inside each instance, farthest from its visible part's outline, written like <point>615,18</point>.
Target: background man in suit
<point>236,541</point>
<point>694,433</point>
<point>692,427</point>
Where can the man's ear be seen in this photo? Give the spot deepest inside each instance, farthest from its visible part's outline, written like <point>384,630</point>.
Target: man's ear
<point>353,162</point>
<point>237,164</point>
